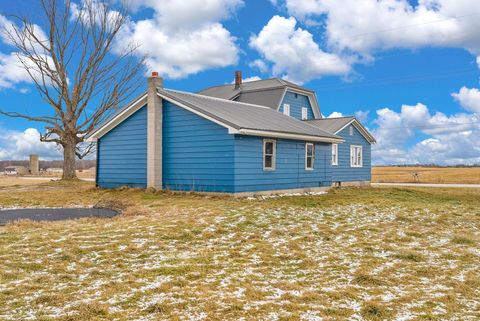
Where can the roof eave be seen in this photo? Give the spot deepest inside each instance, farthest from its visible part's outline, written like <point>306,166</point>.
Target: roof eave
<point>116,120</point>
<point>293,136</point>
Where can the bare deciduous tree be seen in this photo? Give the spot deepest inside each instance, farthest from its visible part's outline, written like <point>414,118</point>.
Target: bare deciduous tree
<point>74,70</point>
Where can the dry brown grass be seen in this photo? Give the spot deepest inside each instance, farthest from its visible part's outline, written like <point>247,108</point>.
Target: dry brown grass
<point>17,181</point>
<point>14,181</point>
<point>352,254</point>
<point>449,175</point>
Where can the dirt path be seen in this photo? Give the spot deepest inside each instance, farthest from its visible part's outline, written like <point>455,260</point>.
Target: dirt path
<point>428,185</point>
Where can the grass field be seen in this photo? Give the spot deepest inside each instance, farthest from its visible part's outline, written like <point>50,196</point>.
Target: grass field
<point>352,254</point>
<point>392,174</point>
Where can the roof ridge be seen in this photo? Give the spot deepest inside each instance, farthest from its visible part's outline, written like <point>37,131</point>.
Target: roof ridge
<point>216,98</point>
<point>317,128</point>
<point>280,80</point>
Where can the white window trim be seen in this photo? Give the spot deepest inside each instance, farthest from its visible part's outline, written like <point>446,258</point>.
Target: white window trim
<point>286,109</point>
<point>313,157</point>
<point>352,148</point>
<point>335,153</point>
<point>274,154</point>
<point>304,113</point>
<point>350,130</point>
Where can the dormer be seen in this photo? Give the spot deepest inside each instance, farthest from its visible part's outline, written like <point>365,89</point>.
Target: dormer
<point>281,95</point>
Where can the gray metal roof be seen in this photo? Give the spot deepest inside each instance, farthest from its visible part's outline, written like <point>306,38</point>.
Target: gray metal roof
<point>331,125</point>
<point>265,92</point>
<point>240,115</point>
<point>270,98</point>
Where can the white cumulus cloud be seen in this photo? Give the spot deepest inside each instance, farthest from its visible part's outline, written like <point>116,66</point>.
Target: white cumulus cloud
<point>248,79</point>
<point>17,145</point>
<point>468,98</point>
<point>183,37</point>
<point>12,71</point>
<point>294,53</point>
<point>366,26</point>
<point>449,139</point>
<point>335,114</point>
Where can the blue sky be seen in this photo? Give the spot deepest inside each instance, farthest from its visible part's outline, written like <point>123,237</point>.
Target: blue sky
<point>408,70</point>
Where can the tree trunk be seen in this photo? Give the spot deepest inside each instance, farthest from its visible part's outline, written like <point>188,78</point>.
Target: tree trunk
<point>69,160</point>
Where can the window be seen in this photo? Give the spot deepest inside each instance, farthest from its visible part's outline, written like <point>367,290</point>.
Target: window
<point>351,130</point>
<point>334,154</point>
<point>304,113</point>
<point>356,156</point>
<point>269,151</point>
<point>286,109</point>
<point>309,156</point>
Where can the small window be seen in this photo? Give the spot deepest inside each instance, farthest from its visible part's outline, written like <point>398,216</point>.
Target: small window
<point>309,156</point>
<point>356,157</point>
<point>334,154</point>
<point>286,109</point>
<point>269,151</point>
<point>351,130</point>
<point>304,113</point>
<point>296,95</point>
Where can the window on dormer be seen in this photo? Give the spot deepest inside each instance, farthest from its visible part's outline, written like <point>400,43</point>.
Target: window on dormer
<point>286,109</point>
<point>304,113</point>
<point>351,130</point>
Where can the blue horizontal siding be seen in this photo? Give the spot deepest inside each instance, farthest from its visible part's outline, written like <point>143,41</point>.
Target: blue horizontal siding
<point>343,172</point>
<point>290,170</point>
<point>296,104</point>
<point>198,155</point>
<point>122,153</point>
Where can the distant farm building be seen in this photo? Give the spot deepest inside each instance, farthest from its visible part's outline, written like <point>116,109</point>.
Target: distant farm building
<point>54,170</point>
<point>15,170</point>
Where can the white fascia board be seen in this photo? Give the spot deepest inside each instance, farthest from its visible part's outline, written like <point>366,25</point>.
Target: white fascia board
<point>196,112</point>
<point>115,121</point>
<point>361,129</point>
<point>262,133</point>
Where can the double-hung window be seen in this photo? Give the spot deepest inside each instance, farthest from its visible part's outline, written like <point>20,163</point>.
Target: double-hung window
<point>334,154</point>
<point>304,113</point>
<point>286,109</point>
<point>356,156</point>
<point>309,156</point>
<point>269,154</point>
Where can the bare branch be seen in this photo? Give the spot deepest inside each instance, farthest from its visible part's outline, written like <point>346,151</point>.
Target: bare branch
<point>84,151</point>
<point>74,67</point>
<point>45,119</point>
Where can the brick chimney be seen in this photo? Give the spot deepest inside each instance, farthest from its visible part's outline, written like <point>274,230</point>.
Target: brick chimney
<point>238,79</point>
<point>155,81</point>
<point>154,132</point>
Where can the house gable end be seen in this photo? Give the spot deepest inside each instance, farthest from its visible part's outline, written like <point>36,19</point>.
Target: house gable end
<point>122,153</point>
<point>361,130</point>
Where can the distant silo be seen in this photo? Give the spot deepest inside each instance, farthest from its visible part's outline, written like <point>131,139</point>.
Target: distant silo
<point>34,165</point>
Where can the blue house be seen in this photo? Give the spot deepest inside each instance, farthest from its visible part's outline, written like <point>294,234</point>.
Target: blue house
<point>265,136</point>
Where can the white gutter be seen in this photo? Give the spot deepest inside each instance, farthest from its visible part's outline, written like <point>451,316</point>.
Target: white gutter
<point>262,133</point>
